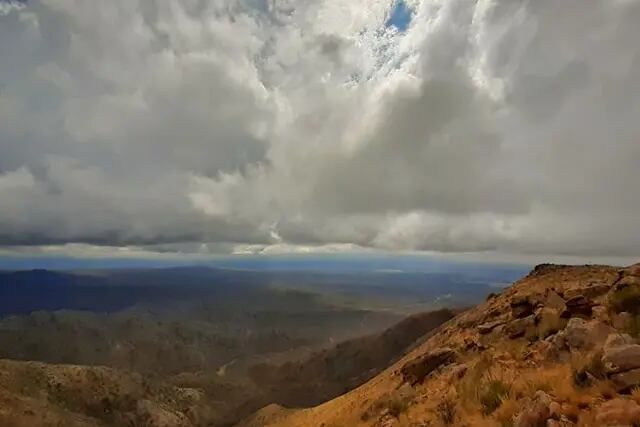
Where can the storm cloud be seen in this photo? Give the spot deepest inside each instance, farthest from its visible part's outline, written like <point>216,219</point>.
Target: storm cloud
<point>251,125</point>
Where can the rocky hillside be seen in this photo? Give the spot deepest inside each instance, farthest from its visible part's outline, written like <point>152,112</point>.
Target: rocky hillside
<point>559,348</point>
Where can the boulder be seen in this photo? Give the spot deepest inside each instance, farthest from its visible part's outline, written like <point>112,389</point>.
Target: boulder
<point>535,412</point>
<point>578,306</point>
<point>601,312</point>
<point>152,414</point>
<point>621,320</point>
<point>633,270</point>
<point>555,301</point>
<point>627,281</point>
<point>548,321</point>
<point>592,290</point>
<point>562,422</point>
<point>625,381</point>
<point>617,339</point>
<point>487,327</point>
<point>521,306</point>
<point>520,327</point>
<point>585,335</point>
<point>621,358</point>
<point>415,371</point>
<point>618,412</point>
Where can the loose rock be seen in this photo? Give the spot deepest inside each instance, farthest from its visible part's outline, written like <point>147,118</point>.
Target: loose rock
<point>618,412</point>
<point>622,357</point>
<point>415,371</point>
<point>535,412</point>
<point>585,335</point>
<point>519,327</point>
<point>521,307</point>
<point>625,381</point>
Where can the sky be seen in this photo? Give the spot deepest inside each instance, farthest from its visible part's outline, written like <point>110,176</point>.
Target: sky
<point>488,128</point>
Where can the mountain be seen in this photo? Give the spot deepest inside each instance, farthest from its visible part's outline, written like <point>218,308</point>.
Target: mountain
<point>558,348</point>
<point>336,370</point>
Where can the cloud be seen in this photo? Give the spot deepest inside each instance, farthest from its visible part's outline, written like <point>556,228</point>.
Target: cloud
<point>257,126</point>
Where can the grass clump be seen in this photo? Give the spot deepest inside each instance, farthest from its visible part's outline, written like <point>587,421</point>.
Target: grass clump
<point>394,403</point>
<point>492,395</point>
<point>585,369</point>
<point>446,411</point>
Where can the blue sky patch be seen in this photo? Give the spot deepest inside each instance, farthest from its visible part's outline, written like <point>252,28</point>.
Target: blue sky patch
<point>400,16</point>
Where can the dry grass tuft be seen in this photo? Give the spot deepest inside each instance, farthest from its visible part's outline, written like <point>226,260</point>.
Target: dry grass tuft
<point>507,411</point>
<point>395,403</point>
<point>587,367</point>
<point>446,411</point>
<point>493,392</point>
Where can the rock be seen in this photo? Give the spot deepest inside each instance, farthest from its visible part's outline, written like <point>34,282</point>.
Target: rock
<point>485,328</point>
<point>621,320</point>
<point>548,321</point>
<point>618,412</point>
<point>633,270</point>
<point>415,371</point>
<point>617,339</point>
<point>578,306</point>
<point>521,307</point>
<point>555,301</point>
<point>458,371</point>
<point>535,411</point>
<point>519,327</point>
<point>622,357</point>
<point>387,420</point>
<point>153,415</point>
<point>625,381</point>
<point>592,290</point>
<point>555,410</point>
<point>562,422</point>
<point>584,335</point>
<point>627,281</point>
<point>600,312</point>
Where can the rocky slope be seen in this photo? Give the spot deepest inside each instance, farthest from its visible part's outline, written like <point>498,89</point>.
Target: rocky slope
<point>558,348</point>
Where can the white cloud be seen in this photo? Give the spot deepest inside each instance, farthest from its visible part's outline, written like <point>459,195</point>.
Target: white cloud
<point>269,126</point>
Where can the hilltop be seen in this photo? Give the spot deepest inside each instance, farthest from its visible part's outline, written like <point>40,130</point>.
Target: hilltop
<point>558,348</point>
